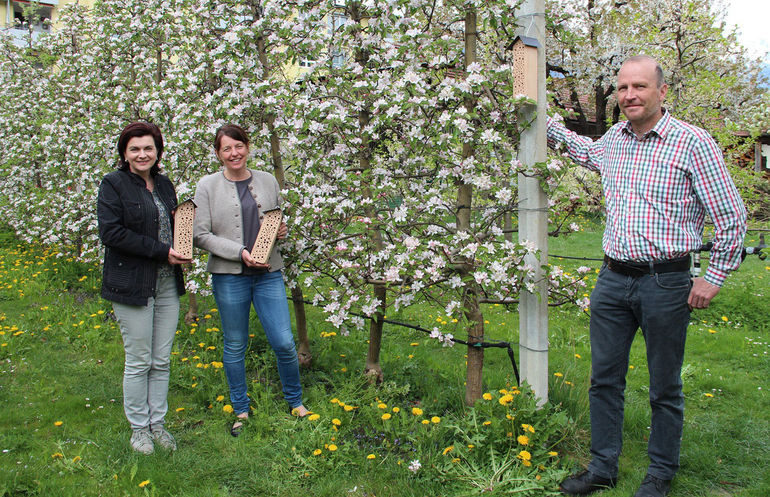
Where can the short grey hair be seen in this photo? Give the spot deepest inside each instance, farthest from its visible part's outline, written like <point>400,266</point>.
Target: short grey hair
<point>647,58</point>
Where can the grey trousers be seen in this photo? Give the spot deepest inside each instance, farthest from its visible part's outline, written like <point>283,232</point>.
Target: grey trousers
<point>148,334</point>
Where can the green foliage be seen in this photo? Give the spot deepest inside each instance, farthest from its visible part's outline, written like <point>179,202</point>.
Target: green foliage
<point>61,360</point>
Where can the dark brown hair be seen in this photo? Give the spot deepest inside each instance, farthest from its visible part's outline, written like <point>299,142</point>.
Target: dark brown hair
<point>135,130</point>
<point>231,131</point>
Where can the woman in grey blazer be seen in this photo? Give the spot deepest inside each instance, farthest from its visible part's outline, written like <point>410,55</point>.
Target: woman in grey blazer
<point>230,204</point>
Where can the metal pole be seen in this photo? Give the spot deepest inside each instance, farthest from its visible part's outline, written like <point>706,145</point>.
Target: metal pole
<point>533,218</point>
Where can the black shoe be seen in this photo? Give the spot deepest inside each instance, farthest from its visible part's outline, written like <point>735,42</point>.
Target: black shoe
<point>237,427</point>
<point>653,487</point>
<point>586,483</point>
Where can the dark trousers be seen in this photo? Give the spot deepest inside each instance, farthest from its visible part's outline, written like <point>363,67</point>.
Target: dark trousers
<point>619,306</point>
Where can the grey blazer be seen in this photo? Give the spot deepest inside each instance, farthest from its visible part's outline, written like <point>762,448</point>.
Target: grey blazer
<point>218,219</point>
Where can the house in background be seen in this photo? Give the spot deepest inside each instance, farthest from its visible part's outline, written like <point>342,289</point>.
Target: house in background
<point>757,157</point>
<point>20,18</point>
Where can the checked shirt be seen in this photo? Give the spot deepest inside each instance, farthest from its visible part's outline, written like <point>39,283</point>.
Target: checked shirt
<point>658,190</point>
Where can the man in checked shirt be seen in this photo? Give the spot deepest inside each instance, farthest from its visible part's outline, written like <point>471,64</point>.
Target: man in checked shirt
<point>660,177</point>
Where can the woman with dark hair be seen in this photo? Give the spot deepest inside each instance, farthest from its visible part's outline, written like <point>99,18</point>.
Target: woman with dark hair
<point>142,277</point>
<point>230,205</point>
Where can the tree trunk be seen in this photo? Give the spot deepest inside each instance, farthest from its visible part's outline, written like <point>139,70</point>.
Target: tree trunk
<point>372,369</point>
<point>601,110</point>
<point>304,355</point>
<point>191,315</point>
<point>473,377</point>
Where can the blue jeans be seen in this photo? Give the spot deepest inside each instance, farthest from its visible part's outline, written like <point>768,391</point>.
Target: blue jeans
<point>235,294</point>
<point>619,306</point>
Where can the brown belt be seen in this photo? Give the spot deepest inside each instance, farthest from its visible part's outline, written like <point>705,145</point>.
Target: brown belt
<point>637,269</point>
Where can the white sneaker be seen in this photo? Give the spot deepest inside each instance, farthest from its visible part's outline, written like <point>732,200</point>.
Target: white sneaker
<point>163,438</point>
<point>142,442</point>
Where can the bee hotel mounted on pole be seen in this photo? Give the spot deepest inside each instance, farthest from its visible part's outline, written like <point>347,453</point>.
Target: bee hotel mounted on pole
<point>529,74</point>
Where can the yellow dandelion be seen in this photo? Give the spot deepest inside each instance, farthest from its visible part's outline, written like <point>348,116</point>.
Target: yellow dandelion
<point>708,394</point>
<point>335,400</point>
<point>523,439</point>
<point>577,356</point>
<point>435,420</point>
<point>414,344</point>
<point>487,396</point>
<point>712,331</point>
<point>524,455</point>
<point>724,318</point>
<point>76,459</point>
<point>348,408</point>
<point>58,423</point>
<point>179,409</point>
<point>386,416</point>
<point>505,399</point>
<point>558,375</point>
<point>486,423</point>
<point>416,411</point>
<point>332,447</point>
<point>227,408</point>
<point>314,417</point>
<point>425,422</point>
<point>144,483</point>
<point>553,453</point>
<point>336,422</point>
<point>317,452</point>
<point>528,428</point>
<point>396,410</point>
<point>371,456</point>
<point>448,449</point>
<point>382,406</point>
<point>471,446</point>
<point>220,398</point>
<point>57,455</point>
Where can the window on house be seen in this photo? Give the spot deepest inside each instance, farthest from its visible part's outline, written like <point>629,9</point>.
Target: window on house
<point>36,15</point>
<point>335,24</point>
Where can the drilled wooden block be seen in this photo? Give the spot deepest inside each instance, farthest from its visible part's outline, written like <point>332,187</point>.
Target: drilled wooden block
<point>268,231</point>
<point>183,228</point>
<point>525,67</point>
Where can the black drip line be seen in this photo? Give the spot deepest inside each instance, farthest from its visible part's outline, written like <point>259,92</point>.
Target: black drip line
<point>499,344</point>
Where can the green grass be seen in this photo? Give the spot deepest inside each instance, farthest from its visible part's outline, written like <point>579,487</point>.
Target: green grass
<point>61,361</point>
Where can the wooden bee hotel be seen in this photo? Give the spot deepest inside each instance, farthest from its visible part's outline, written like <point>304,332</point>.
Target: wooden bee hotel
<point>184,216</point>
<point>268,231</point>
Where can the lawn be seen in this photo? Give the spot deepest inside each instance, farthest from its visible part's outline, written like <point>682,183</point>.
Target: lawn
<point>64,432</point>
